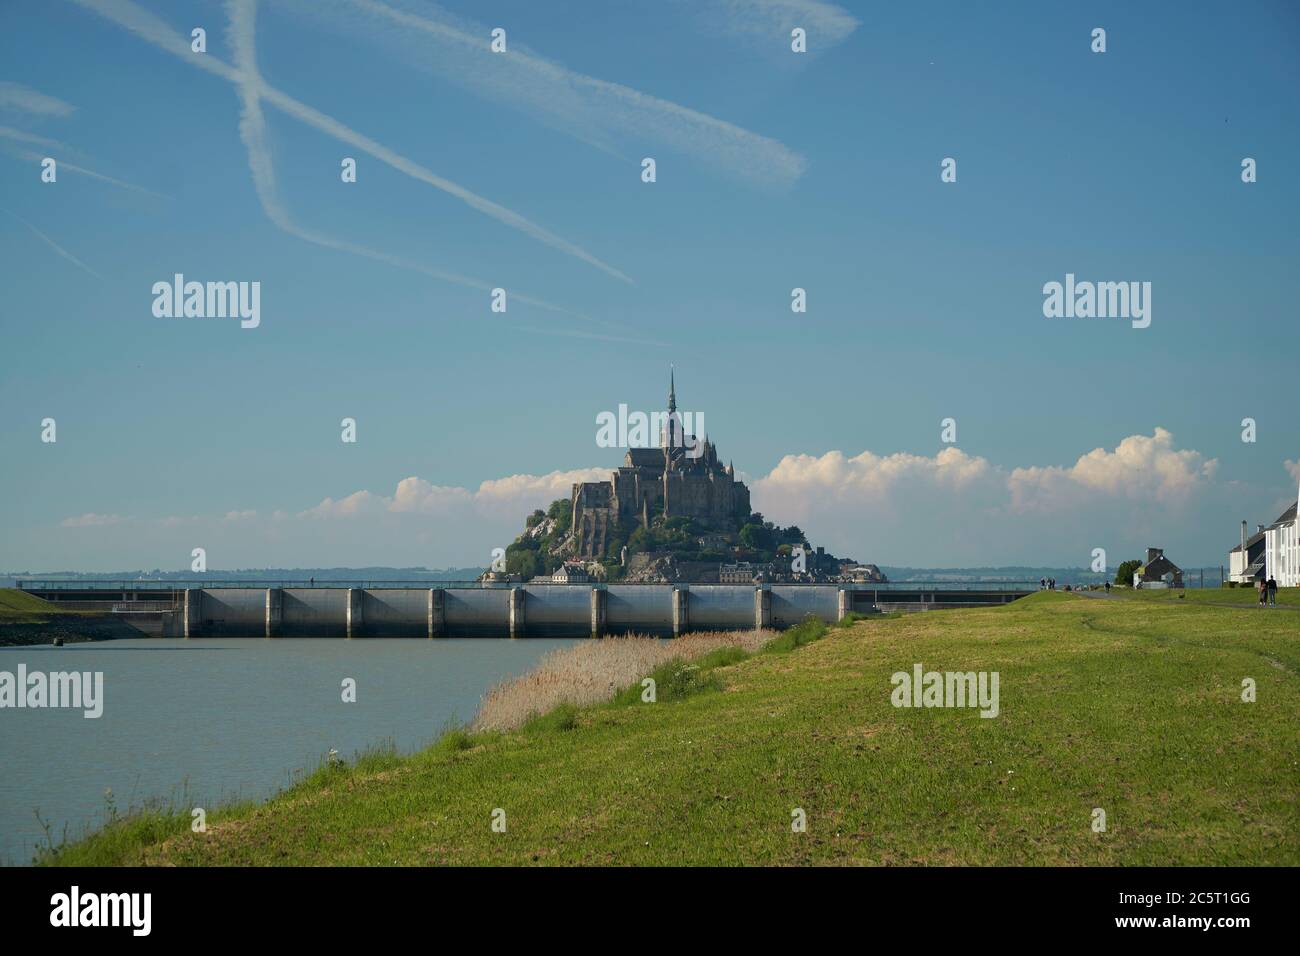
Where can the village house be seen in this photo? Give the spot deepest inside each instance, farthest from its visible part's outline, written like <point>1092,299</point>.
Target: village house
<point>1282,549</point>
<point>1158,572</point>
<point>1251,569</point>
<point>740,573</point>
<point>570,572</point>
<point>1271,552</point>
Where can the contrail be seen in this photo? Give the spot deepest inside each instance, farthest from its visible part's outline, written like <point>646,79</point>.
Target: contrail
<point>8,132</point>
<point>252,130</point>
<point>827,24</point>
<point>573,334</point>
<point>18,97</point>
<point>147,26</point>
<point>56,247</point>
<point>586,107</point>
<point>64,164</point>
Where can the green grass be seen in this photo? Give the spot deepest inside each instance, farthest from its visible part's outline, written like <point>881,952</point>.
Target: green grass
<point>1132,706</point>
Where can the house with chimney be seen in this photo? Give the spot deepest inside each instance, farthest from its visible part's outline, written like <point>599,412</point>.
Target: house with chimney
<point>1158,572</point>
<point>1273,551</point>
<point>1250,568</point>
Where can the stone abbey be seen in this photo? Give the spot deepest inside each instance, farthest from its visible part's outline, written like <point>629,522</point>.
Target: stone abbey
<point>682,477</point>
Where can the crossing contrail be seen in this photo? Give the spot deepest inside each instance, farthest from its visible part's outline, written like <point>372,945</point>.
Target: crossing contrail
<point>252,130</point>
<point>150,28</point>
<point>591,109</point>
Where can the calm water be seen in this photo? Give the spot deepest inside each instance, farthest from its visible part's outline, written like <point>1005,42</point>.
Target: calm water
<point>200,721</point>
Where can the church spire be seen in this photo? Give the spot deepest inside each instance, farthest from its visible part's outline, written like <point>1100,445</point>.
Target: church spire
<point>672,391</point>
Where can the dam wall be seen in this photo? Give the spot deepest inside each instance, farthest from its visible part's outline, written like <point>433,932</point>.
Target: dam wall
<point>546,610</point>
<point>792,603</point>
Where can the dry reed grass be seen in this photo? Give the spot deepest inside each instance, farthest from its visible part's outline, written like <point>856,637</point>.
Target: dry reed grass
<point>594,671</point>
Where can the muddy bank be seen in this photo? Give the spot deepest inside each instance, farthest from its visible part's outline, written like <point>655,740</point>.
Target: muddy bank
<point>72,628</point>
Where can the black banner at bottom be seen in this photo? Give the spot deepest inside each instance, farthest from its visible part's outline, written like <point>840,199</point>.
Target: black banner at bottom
<point>338,905</point>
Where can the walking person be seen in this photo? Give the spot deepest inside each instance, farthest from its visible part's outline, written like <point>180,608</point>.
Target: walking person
<point>1263,592</point>
<point>1272,590</point>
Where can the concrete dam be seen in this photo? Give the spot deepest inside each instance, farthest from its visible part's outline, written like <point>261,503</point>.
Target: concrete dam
<point>383,609</point>
<point>550,610</point>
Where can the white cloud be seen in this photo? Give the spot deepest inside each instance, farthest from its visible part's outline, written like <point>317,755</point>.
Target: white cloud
<point>510,497</point>
<point>415,495</point>
<point>955,509</point>
<point>863,506</point>
<point>356,504</point>
<point>533,490</point>
<point>871,475</point>
<point>1140,468</point>
<point>91,520</point>
<point>182,521</point>
<point>1293,467</point>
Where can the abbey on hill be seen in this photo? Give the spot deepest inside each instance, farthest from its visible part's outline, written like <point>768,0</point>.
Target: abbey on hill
<point>682,477</point>
<point>672,513</point>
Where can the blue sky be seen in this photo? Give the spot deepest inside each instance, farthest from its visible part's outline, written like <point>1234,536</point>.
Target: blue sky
<point>775,170</point>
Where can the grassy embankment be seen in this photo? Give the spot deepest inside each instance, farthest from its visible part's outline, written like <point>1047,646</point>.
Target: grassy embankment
<point>19,607</point>
<point>28,620</point>
<point>1133,706</point>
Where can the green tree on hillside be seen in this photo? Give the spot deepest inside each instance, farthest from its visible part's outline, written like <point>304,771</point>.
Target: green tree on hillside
<point>757,537</point>
<point>561,512</point>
